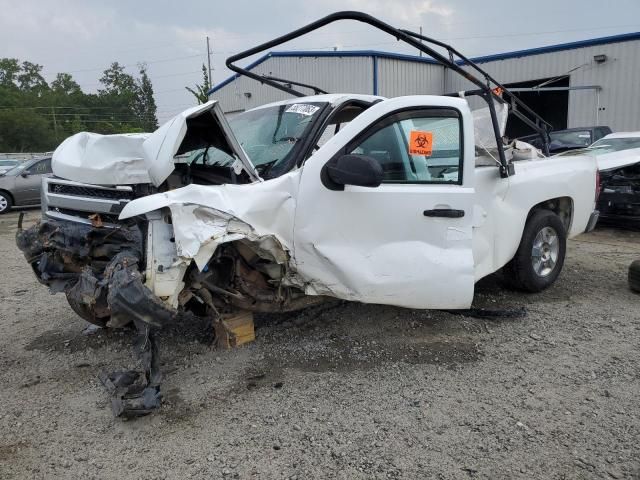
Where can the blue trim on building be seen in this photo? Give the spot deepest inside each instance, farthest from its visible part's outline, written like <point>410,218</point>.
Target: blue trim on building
<point>375,54</point>
<point>625,37</point>
<point>353,53</point>
<point>375,75</point>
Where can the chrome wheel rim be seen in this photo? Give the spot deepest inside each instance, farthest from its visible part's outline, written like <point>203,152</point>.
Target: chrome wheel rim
<point>544,254</point>
<point>3,203</point>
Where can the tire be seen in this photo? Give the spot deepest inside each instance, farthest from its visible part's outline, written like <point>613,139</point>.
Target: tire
<point>87,313</point>
<point>634,276</point>
<point>540,256</point>
<point>5,202</point>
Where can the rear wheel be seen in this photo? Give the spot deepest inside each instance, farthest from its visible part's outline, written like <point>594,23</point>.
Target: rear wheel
<point>87,313</point>
<point>540,256</point>
<point>634,276</point>
<point>5,203</point>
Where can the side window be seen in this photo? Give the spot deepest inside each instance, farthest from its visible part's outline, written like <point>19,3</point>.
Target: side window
<point>339,121</point>
<point>421,146</point>
<point>41,168</point>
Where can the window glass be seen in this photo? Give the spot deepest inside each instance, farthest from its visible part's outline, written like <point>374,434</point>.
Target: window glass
<point>574,139</point>
<point>41,168</point>
<point>607,145</point>
<point>337,123</point>
<point>267,135</point>
<point>417,149</point>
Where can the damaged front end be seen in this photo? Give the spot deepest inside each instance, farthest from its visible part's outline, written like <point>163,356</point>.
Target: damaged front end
<point>157,264</point>
<point>185,261</point>
<point>620,194</point>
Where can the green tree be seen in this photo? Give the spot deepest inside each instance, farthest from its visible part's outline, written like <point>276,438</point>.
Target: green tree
<point>9,69</point>
<point>25,130</point>
<point>201,91</point>
<point>35,116</point>
<point>30,78</point>
<point>117,82</point>
<point>144,103</point>
<point>65,84</point>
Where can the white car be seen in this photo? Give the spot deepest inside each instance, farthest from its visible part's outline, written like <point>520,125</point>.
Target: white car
<point>616,142</point>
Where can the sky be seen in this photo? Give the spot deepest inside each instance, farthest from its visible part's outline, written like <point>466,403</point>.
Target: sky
<point>82,37</point>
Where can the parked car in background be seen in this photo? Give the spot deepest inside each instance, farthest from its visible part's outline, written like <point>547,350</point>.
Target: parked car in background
<point>20,186</point>
<point>618,158</point>
<point>617,142</point>
<point>6,165</point>
<point>569,139</point>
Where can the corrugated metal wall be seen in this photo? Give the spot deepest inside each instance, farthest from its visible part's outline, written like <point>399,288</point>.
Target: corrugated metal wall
<point>333,74</point>
<point>399,77</point>
<point>618,77</point>
<point>619,98</point>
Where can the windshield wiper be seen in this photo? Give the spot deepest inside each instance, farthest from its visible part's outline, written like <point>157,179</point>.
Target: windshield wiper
<point>264,168</point>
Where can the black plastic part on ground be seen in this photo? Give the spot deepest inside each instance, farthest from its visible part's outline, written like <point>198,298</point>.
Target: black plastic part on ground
<point>100,268</point>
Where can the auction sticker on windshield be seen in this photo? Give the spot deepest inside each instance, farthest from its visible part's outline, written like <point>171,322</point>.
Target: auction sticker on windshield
<point>302,108</point>
<point>420,143</point>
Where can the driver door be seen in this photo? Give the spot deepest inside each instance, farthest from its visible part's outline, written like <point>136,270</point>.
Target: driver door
<point>407,242</point>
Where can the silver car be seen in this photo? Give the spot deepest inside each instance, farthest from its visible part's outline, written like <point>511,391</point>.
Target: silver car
<point>20,186</point>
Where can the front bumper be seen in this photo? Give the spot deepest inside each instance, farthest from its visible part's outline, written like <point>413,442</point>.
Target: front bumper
<point>96,266</point>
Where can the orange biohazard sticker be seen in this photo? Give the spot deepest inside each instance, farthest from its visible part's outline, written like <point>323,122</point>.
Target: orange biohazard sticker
<point>420,143</point>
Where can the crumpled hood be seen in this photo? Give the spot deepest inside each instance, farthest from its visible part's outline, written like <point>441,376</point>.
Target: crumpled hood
<point>623,158</point>
<point>127,159</point>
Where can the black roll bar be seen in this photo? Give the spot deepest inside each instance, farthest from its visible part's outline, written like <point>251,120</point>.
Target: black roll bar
<point>485,86</point>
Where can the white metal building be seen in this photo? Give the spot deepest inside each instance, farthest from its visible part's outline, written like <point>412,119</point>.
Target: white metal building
<point>591,82</point>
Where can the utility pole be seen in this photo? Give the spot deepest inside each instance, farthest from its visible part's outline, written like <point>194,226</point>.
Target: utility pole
<point>209,61</point>
<point>420,39</point>
<point>55,123</point>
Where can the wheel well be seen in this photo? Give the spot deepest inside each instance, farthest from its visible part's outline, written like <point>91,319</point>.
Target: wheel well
<point>561,206</point>
<point>8,194</point>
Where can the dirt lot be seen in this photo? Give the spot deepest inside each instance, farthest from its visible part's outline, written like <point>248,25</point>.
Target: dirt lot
<point>348,391</point>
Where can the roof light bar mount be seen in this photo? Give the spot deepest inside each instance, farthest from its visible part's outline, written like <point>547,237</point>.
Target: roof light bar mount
<point>487,86</point>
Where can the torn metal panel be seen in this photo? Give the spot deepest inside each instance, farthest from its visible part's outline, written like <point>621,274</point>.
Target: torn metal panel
<point>204,217</point>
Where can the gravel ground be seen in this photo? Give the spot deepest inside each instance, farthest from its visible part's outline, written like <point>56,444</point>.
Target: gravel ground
<point>343,391</point>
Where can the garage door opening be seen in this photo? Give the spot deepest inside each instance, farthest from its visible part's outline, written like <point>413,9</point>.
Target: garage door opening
<point>553,106</point>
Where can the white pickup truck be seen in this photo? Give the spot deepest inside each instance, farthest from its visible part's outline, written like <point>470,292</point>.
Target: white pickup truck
<point>405,201</point>
<point>356,197</point>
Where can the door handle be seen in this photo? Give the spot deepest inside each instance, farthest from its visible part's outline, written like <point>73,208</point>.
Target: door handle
<point>444,212</point>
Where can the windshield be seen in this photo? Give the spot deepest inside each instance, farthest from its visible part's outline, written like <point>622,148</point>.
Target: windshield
<point>15,170</point>
<point>608,145</point>
<point>268,135</point>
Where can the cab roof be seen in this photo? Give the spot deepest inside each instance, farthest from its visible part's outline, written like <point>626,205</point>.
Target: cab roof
<point>332,98</point>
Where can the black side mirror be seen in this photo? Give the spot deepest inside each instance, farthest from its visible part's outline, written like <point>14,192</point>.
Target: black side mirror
<point>358,170</point>
<point>24,174</point>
